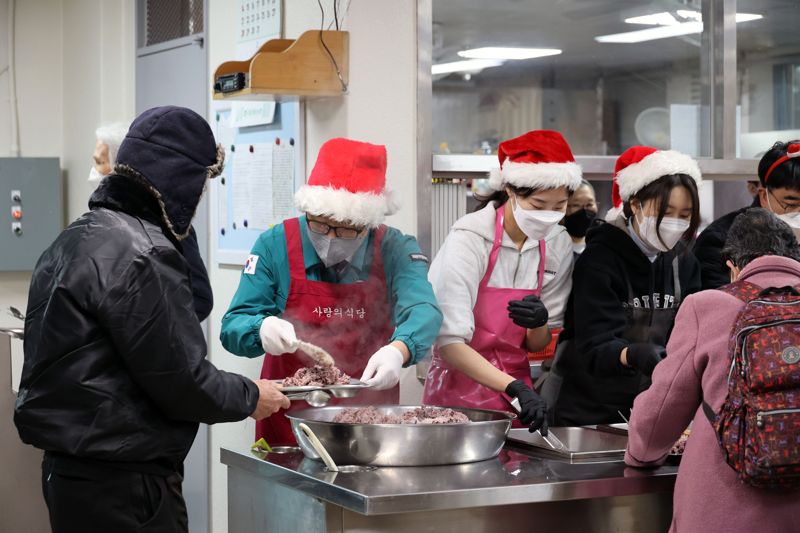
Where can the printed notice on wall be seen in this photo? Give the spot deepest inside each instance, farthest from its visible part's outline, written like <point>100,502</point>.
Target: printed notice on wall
<point>252,186</point>
<point>247,114</point>
<point>283,182</point>
<point>224,135</point>
<point>222,184</point>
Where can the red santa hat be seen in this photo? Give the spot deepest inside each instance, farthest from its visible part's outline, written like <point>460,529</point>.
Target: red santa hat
<point>348,184</point>
<point>639,166</point>
<point>540,159</point>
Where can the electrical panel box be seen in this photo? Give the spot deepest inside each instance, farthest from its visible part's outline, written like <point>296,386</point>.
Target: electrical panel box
<point>31,209</point>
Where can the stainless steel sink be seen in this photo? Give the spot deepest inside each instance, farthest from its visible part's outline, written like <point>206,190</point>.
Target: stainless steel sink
<point>582,444</point>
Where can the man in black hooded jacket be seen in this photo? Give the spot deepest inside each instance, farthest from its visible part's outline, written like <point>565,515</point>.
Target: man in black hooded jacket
<point>115,379</point>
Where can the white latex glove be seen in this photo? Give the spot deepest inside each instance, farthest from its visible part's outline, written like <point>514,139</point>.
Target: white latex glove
<point>277,336</point>
<point>383,368</point>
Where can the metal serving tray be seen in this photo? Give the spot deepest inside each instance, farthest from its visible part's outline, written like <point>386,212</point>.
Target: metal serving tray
<point>582,444</point>
<point>620,428</point>
<point>337,391</point>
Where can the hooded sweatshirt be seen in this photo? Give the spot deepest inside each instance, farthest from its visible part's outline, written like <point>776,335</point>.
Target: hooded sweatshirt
<point>596,384</point>
<point>461,263</point>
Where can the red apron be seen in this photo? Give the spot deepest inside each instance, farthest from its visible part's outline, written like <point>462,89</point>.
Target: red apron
<point>496,338</point>
<point>351,321</point>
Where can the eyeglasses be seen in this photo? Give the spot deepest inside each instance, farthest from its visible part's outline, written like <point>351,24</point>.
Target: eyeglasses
<point>787,208</point>
<point>342,232</point>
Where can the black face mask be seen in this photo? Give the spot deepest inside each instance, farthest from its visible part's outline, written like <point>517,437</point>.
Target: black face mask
<point>578,223</point>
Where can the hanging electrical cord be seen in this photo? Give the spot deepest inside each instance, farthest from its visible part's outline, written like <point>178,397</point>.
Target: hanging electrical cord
<point>12,81</point>
<point>325,46</point>
<point>344,14</point>
<point>336,13</point>
<point>341,15</point>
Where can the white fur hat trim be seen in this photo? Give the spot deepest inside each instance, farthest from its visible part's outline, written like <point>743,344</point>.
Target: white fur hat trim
<point>360,209</point>
<point>536,175</point>
<point>637,176</point>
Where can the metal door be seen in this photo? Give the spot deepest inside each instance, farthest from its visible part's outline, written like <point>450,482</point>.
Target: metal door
<point>172,69</point>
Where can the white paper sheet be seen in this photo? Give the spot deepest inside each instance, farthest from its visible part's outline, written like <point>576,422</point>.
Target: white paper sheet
<point>224,136</point>
<point>223,186</point>
<point>283,182</point>
<point>252,186</point>
<point>246,114</point>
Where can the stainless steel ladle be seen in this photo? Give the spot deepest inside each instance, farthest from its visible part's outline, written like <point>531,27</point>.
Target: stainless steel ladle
<point>314,398</point>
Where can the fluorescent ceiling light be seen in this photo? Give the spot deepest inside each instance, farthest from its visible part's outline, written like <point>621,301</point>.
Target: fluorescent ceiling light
<point>656,19</point>
<point>693,15</point>
<point>651,34</point>
<point>747,17</point>
<point>664,29</point>
<point>470,65</point>
<point>496,52</point>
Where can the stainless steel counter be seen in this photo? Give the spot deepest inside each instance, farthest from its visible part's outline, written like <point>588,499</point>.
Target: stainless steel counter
<point>275,492</point>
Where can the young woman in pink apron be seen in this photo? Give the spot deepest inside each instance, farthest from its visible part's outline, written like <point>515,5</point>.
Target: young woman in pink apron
<point>502,278</point>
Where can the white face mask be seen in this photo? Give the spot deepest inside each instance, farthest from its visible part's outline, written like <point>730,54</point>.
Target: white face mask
<point>793,219</point>
<point>671,231</point>
<point>333,251</point>
<point>95,177</point>
<point>535,223</point>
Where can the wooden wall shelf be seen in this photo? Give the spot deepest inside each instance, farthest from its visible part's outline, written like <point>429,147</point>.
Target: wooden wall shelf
<point>290,69</point>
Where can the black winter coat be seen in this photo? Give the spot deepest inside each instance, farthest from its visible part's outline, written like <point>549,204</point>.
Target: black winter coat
<point>708,250</point>
<point>201,288</point>
<point>115,366</point>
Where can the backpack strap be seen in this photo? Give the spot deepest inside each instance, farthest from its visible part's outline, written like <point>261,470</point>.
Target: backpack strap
<point>709,412</point>
<point>791,291</point>
<point>743,290</point>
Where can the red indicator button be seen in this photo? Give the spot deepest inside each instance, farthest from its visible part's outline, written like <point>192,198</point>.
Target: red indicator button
<point>17,214</point>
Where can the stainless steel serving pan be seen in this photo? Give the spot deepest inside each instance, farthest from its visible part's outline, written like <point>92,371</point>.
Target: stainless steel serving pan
<point>618,429</point>
<point>581,444</point>
<point>404,444</point>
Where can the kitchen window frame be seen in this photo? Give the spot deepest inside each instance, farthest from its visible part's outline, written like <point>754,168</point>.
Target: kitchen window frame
<point>718,60</point>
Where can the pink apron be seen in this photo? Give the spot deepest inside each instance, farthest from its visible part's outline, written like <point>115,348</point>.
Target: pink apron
<point>496,338</point>
<point>351,321</point>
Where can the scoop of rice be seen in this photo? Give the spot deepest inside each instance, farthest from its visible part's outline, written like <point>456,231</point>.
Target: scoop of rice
<point>418,415</point>
<point>317,376</point>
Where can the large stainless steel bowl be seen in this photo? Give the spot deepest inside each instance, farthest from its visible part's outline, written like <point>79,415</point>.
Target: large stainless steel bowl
<point>404,444</point>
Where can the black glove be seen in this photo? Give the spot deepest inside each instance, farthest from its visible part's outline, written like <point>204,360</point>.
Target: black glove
<point>529,312</point>
<point>644,356</point>
<point>533,409</point>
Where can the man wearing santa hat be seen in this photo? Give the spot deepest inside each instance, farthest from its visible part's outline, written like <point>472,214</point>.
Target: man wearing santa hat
<point>628,285</point>
<point>502,279</point>
<point>338,278</point>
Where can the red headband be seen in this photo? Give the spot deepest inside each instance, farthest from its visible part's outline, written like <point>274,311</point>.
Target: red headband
<point>792,151</point>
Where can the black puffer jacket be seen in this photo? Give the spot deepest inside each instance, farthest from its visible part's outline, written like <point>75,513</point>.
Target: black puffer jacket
<point>708,250</point>
<point>115,366</point>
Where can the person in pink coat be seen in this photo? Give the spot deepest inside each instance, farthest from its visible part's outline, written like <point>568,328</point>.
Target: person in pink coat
<point>708,494</point>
